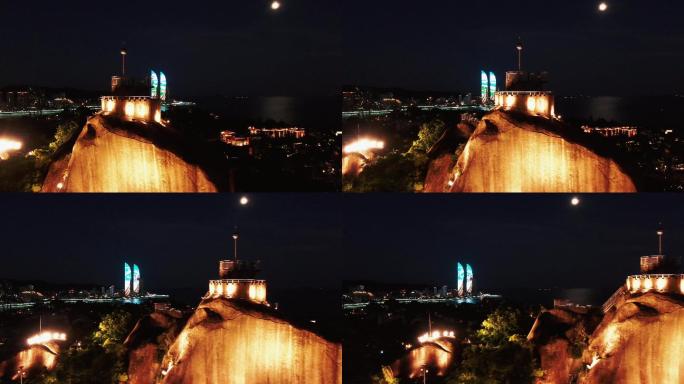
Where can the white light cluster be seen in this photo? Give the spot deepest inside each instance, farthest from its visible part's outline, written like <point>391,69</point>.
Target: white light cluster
<point>363,145</point>
<point>7,145</point>
<point>427,337</point>
<point>44,337</point>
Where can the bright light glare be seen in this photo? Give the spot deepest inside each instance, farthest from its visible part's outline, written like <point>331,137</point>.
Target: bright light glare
<point>7,145</point>
<point>275,5</point>
<point>244,200</point>
<point>363,146</point>
<point>426,337</point>
<point>575,201</point>
<point>45,337</point>
<point>603,7</point>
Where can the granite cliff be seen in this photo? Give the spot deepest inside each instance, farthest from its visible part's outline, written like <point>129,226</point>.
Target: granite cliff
<point>113,155</point>
<point>515,152</point>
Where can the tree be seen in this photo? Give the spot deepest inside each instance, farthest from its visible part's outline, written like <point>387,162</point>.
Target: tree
<point>499,353</point>
<point>428,135</point>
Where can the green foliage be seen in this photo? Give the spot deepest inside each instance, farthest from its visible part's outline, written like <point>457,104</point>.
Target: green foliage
<point>499,354</point>
<point>386,376</point>
<point>428,135</point>
<point>392,173</point>
<point>102,359</point>
<point>113,330</point>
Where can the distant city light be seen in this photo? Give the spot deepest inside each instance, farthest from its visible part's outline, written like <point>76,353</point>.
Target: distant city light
<point>575,201</point>
<point>45,337</point>
<point>275,5</point>
<point>244,200</point>
<point>603,7</point>
<point>7,145</point>
<point>363,145</point>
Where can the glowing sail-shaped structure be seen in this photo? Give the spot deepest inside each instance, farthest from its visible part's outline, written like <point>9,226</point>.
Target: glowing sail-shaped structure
<point>136,279</point>
<point>127,279</point>
<point>484,86</point>
<point>154,85</point>
<point>469,280</point>
<point>162,86</point>
<point>461,278</point>
<point>492,86</point>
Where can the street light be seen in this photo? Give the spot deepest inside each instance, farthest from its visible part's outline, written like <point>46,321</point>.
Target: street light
<point>425,371</point>
<point>22,374</point>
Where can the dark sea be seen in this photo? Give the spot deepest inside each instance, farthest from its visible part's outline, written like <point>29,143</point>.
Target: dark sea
<point>664,112</point>
<point>314,113</point>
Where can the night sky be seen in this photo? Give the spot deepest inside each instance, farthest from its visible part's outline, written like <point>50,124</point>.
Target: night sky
<point>635,48</point>
<point>204,47</point>
<point>177,240</point>
<point>512,241</point>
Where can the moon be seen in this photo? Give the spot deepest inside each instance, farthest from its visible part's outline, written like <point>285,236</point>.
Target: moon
<point>244,200</point>
<point>275,5</point>
<point>575,201</point>
<point>603,7</point>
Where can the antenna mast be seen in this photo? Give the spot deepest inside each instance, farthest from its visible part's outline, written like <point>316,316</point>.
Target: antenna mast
<point>519,47</point>
<point>660,239</point>
<point>123,61</point>
<point>235,239</point>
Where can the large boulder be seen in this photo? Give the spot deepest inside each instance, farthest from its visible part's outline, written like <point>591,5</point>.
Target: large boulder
<point>230,341</point>
<point>514,152</point>
<point>640,341</point>
<point>113,155</point>
<point>148,342</point>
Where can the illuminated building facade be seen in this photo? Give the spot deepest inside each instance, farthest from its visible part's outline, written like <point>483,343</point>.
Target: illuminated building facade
<point>127,279</point>
<point>278,133</point>
<point>525,93</point>
<point>238,280</point>
<point>230,138</point>
<point>484,87</point>
<point>460,279</point>
<point>658,274</point>
<point>136,100</point>
<point>136,279</point>
<point>469,280</point>
<point>612,131</point>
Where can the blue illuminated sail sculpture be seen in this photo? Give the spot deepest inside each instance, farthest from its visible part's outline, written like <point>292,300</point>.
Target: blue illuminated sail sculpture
<point>460,277</point>
<point>136,279</point>
<point>154,85</point>
<point>127,279</point>
<point>162,86</point>
<point>469,280</point>
<point>492,86</point>
<point>484,86</point>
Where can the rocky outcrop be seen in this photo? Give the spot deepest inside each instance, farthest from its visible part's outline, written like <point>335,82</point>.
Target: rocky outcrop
<point>560,336</point>
<point>112,155</point>
<point>33,359</point>
<point>514,152</point>
<point>148,342</point>
<point>638,341</point>
<point>229,341</point>
<point>436,356</point>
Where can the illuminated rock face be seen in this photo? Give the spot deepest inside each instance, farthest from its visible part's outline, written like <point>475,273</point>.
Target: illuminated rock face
<point>553,334</point>
<point>231,341</point>
<point>640,341</point>
<point>436,356</point>
<point>516,153</point>
<point>32,359</point>
<point>150,335</point>
<point>113,155</point>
